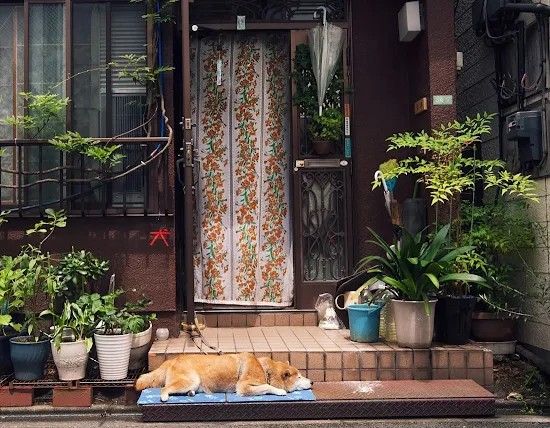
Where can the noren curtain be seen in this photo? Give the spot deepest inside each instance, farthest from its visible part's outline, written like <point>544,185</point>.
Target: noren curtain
<point>241,106</point>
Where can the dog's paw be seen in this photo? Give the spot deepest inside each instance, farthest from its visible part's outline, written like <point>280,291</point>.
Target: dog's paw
<point>164,397</point>
<point>280,392</point>
<point>191,393</point>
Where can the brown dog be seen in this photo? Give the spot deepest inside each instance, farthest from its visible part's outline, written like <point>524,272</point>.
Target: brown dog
<point>241,373</point>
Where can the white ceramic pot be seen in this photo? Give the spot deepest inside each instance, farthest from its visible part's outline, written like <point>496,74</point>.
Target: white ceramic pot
<point>414,329</point>
<point>71,360</point>
<point>113,354</point>
<point>141,343</point>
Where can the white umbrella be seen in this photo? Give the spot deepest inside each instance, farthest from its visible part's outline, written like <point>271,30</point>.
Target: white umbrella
<point>325,44</point>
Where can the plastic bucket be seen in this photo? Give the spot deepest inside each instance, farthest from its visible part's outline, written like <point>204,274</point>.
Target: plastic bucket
<point>364,322</point>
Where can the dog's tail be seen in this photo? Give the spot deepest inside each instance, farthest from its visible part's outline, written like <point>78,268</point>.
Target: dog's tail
<point>155,379</point>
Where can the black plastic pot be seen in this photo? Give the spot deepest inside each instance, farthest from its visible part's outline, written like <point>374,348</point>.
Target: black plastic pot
<point>453,319</point>
<point>415,215</point>
<point>6,366</point>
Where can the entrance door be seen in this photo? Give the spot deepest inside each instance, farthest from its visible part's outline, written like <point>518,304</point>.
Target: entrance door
<point>322,201</point>
<point>240,102</point>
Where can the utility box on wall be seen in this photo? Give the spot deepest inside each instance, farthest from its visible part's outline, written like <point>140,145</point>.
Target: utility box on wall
<point>410,21</point>
<point>525,127</point>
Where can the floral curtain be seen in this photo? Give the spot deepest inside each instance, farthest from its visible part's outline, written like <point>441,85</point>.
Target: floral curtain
<point>241,105</point>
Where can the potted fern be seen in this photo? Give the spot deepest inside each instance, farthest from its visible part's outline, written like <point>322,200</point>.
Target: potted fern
<point>413,272</point>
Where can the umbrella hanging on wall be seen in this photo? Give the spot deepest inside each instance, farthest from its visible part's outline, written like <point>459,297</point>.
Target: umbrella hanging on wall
<point>325,45</point>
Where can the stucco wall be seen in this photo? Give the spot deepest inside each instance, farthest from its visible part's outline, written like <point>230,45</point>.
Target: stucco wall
<point>475,94</point>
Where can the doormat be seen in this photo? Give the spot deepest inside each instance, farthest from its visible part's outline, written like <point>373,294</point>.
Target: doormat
<point>306,395</point>
<point>152,396</point>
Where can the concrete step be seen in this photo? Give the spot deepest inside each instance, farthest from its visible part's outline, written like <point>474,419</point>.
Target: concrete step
<point>345,400</point>
<point>330,356</point>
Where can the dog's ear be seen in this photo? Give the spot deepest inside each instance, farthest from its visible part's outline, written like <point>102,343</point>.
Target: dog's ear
<point>288,363</point>
<point>286,374</point>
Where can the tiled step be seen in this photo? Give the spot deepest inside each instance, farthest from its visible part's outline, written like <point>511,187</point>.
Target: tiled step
<point>345,400</point>
<point>264,318</point>
<point>330,355</point>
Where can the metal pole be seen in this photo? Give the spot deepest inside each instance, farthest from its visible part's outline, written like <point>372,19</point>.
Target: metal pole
<point>188,165</point>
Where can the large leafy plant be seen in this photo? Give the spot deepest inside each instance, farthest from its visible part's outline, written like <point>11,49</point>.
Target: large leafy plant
<point>111,320</point>
<point>79,319</point>
<point>76,270</point>
<point>446,171</point>
<point>24,277</point>
<point>499,231</point>
<point>414,269</point>
<point>327,127</point>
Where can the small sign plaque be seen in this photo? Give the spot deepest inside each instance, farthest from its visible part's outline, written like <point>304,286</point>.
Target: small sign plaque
<point>347,127</point>
<point>347,147</point>
<point>241,23</point>
<point>443,100</point>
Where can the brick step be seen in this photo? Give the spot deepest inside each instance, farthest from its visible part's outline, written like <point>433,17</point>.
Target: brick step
<point>325,355</point>
<point>255,318</point>
<point>345,400</point>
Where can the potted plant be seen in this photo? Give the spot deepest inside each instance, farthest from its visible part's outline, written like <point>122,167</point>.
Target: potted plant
<point>142,331</point>
<point>442,167</point>
<point>76,270</point>
<point>36,275</point>
<point>70,352</point>
<point>326,129</point>
<point>499,232</point>
<point>112,333</point>
<point>413,272</point>
<point>12,292</point>
<point>305,98</point>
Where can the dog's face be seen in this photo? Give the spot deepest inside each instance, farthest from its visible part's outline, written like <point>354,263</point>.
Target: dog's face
<point>292,379</point>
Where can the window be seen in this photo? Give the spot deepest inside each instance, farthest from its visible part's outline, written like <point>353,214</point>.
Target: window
<point>102,104</point>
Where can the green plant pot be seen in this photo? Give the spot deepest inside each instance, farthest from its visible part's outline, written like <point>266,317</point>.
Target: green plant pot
<point>29,357</point>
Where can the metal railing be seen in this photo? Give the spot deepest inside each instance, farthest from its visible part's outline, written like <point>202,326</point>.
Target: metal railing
<point>34,176</point>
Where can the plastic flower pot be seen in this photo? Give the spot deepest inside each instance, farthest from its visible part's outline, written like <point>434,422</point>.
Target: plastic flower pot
<point>453,319</point>
<point>71,360</point>
<point>29,357</point>
<point>492,327</point>
<point>140,347</point>
<point>364,322</point>
<point>414,328</point>
<point>113,354</point>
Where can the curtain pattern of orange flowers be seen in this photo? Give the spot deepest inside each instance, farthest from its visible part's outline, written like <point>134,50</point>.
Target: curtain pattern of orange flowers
<point>243,249</point>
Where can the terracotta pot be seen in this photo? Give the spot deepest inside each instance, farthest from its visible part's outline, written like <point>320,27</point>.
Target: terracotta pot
<point>321,147</point>
<point>491,327</point>
<point>413,327</point>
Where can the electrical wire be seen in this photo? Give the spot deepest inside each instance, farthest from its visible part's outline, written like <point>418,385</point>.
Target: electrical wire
<point>495,39</point>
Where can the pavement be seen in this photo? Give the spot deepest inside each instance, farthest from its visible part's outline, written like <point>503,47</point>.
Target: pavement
<point>108,422</point>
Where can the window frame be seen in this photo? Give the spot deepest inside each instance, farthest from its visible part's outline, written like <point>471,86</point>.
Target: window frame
<point>151,189</point>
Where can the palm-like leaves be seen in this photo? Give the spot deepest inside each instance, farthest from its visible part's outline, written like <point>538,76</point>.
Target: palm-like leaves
<point>415,269</point>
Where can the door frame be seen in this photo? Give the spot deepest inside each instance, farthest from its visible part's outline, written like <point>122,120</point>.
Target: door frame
<point>188,146</point>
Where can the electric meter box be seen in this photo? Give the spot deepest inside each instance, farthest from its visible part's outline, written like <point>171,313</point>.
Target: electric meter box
<point>525,127</point>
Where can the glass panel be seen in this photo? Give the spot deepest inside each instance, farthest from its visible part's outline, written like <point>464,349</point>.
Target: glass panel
<point>46,72</point>
<point>323,225</point>
<point>11,70</point>
<point>89,53</point>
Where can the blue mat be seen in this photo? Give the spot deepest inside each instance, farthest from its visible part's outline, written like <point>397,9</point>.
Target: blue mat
<point>152,396</point>
<point>306,395</point>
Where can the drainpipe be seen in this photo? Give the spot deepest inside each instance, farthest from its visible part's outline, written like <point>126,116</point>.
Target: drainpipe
<point>188,165</point>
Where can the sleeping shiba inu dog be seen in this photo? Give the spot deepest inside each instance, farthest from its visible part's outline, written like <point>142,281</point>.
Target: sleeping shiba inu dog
<point>241,373</point>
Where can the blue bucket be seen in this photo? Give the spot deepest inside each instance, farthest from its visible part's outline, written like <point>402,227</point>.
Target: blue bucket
<point>364,322</point>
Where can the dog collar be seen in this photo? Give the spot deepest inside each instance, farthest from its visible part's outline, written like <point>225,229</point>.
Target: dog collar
<point>267,374</point>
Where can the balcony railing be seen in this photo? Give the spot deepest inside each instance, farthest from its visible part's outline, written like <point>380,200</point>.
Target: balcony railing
<point>34,176</point>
